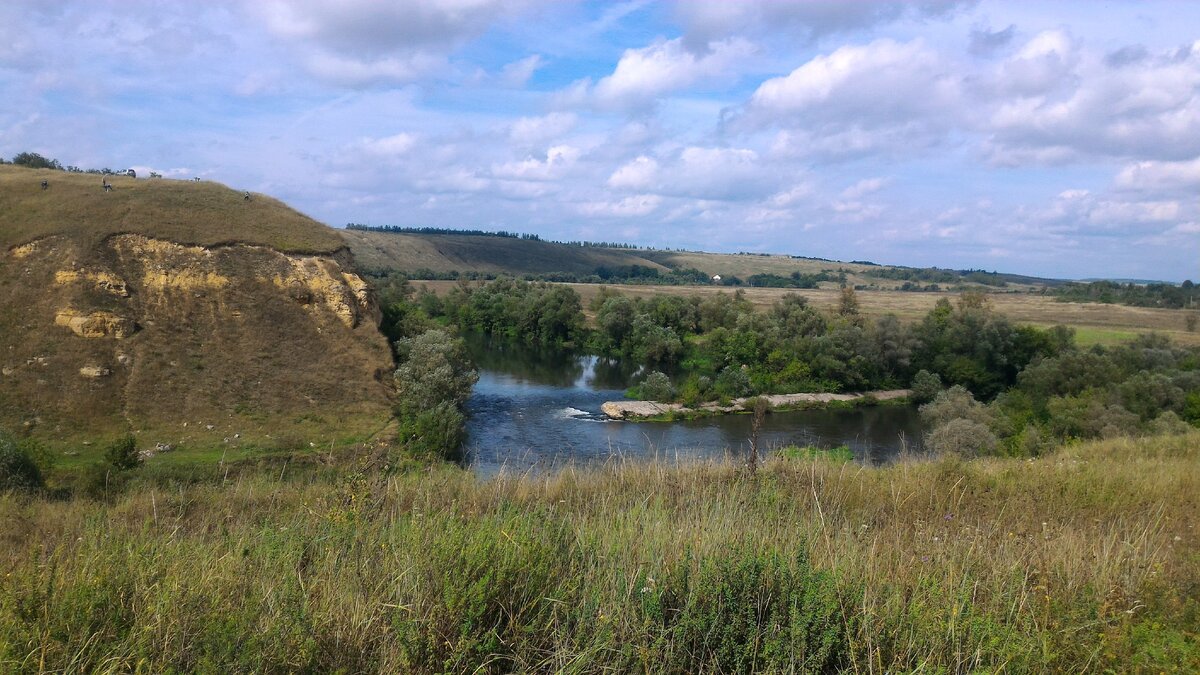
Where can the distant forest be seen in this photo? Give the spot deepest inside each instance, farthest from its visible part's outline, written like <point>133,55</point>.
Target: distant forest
<point>1139,295</point>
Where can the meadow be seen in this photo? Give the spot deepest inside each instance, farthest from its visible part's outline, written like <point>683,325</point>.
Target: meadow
<point>1085,559</point>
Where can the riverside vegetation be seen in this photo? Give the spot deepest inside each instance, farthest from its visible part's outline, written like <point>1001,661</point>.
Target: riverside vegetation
<point>989,386</point>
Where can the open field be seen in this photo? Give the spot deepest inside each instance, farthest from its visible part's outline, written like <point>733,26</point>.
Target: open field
<point>1086,560</point>
<point>202,213</point>
<point>1095,323</point>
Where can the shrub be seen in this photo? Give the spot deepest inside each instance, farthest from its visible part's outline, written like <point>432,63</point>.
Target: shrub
<point>122,454</point>
<point>925,386</point>
<point>961,437</point>
<point>657,387</point>
<point>1168,423</point>
<point>733,382</point>
<point>18,470</point>
<point>436,432</point>
<point>952,404</point>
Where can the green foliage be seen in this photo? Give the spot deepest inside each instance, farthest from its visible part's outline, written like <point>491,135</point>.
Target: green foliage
<point>122,454</point>
<point>33,160</point>
<point>961,436</point>
<point>434,367</point>
<point>657,387</point>
<point>436,432</point>
<point>925,386</point>
<point>433,381</point>
<point>536,313</point>
<point>954,403</point>
<point>1138,295</point>
<point>18,469</point>
<point>733,382</point>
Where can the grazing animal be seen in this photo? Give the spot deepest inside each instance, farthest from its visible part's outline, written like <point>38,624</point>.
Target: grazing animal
<point>45,184</point>
<point>107,187</point>
<point>246,197</point>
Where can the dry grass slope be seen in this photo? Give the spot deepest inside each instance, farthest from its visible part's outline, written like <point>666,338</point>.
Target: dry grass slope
<point>202,213</point>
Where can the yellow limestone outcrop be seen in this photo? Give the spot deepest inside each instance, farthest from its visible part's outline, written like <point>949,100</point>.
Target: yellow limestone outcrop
<point>102,280</point>
<point>96,324</point>
<point>312,280</point>
<point>25,250</point>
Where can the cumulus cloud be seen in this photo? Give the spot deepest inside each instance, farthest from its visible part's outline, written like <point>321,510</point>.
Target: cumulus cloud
<point>643,75</point>
<point>1160,176</point>
<point>533,130</point>
<point>808,20</point>
<point>361,42</point>
<point>557,161</point>
<point>1064,104</point>
<point>699,172</point>
<point>629,207</point>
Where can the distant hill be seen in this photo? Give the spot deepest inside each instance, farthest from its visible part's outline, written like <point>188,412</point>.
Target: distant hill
<point>389,252</point>
<point>180,311</point>
<point>422,255</point>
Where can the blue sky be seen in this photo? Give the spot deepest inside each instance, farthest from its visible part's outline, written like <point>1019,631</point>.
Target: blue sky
<point>1058,139</point>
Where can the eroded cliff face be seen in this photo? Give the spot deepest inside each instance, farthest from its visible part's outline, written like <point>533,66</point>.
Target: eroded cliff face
<point>184,340</point>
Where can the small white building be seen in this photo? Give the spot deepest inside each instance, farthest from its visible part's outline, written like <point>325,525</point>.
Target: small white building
<point>716,278</point>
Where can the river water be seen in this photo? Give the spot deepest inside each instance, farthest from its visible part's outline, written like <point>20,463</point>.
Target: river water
<point>536,411</point>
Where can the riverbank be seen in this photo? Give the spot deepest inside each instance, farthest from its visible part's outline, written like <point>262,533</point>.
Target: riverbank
<point>654,410</point>
<point>1084,560</point>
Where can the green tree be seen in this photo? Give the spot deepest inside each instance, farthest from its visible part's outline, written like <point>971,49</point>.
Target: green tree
<point>35,161</point>
<point>18,470</point>
<point>657,387</point>
<point>122,454</point>
<point>433,382</point>
<point>434,367</point>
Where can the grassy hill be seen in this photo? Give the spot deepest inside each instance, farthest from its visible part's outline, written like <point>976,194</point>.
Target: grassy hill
<point>182,313</point>
<point>202,213</point>
<point>397,252</point>
<point>416,253</point>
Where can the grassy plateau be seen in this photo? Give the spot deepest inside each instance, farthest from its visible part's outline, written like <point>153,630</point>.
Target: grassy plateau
<point>1084,560</point>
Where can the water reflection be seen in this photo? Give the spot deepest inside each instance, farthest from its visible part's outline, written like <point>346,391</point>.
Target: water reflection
<point>535,409</point>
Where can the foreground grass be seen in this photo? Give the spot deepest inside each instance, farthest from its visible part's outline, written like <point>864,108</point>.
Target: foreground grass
<point>1086,560</point>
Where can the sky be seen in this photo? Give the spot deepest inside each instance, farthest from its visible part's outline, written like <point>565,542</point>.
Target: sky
<point>1059,139</point>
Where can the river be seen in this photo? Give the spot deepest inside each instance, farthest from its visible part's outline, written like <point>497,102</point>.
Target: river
<point>536,410</point>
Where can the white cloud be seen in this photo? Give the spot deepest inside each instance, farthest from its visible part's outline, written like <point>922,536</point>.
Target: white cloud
<point>629,207</point>
<point>1154,176</point>
<point>639,174</point>
<point>558,160</point>
<point>517,73</point>
<point>643,75</point>
<point>699,172</point>
<point>363,42</point>
<point>864,187</point>
<point>808,20</point>
<point>533,130</point>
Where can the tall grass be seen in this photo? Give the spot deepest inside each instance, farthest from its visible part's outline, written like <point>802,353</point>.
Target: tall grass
<point>1085,560</point>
